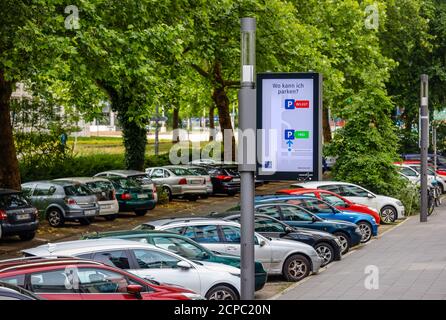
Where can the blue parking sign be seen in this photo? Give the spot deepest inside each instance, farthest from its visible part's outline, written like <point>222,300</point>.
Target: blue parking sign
<point>289,134</point>
<point>289,104</point>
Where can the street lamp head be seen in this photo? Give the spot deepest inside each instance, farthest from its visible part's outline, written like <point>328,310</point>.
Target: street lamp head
<point>248,51</point>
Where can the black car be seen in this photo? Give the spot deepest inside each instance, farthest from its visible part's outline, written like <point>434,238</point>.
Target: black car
<point>12,292</point>
<point>327,245</point>
<point>225,178</point>
<point>17,215</point>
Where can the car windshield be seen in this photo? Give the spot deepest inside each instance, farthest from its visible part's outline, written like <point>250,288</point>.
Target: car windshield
<point>11,201</point>
<point>181,172</point>
<point>77,190</point>
<point>182,247</point>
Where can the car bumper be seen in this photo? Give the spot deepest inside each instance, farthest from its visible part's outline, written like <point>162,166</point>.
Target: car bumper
<point>401,212</point>
<point>375,229</point>
<point>8,229</point>
<point>355,238</point>
<point>81,213</point>
<point>260,280</point>
<point>316,263</point>
<point>190,189</point>
<point>108,207</point>
<point>133,205</point>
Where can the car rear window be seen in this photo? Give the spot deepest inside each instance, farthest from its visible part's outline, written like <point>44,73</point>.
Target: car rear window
<point>77,190</point>
<point>142,179</point>
<point>102,189</point>
<point>125,183</point>
<point>12,201</point>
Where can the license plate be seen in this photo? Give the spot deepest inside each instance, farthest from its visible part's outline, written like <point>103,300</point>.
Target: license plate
<point>196,182</point>
<point>104,207</point>
<point>22,216</point>
<point>142,196</point>
<point>236,180</point>
<point>90,212</point>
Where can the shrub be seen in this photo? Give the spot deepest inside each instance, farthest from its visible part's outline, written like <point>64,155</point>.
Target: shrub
<point>163,197</point>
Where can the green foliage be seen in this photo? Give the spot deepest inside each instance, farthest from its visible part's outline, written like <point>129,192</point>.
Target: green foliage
<point>409,195</point>
<point>163,196</point>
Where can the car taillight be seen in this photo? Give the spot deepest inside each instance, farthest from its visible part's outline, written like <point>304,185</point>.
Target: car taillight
<point>3,215</point>
<point>114,195</point>
<point>182,181</point>
<point>154,189</point>
<point>224,178</point>
<point>126,196</point>
<point>70,201</point>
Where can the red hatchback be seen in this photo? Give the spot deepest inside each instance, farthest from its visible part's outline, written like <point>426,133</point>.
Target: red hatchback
<point>79,279</point>
<point>334,199</point>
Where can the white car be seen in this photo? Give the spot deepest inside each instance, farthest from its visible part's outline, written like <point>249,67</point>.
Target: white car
<point>412,175</point>
<point>431,176</point>
<point>213,281</point>
<point>294,260</point>
<point>389,208</point>
<point>104,191</point>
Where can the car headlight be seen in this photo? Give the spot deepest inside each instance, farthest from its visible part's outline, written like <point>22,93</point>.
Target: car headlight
<point>193,296</point>
<point>399,203</point>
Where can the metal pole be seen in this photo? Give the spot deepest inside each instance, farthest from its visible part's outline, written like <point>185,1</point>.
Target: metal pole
<point>157,130</point>
<point>424,142</point>
<point>247,121</point>
<point>434,143</point>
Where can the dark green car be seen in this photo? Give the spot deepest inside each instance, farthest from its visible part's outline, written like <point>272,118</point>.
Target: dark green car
<point>182,246</point>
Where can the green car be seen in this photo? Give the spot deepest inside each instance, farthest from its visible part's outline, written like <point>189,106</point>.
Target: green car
<point>182,246</point>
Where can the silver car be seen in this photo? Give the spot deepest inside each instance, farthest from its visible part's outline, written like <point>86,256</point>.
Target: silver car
<point>202,172</point>
<point>293,259</point>
<point>178,181</point>
<point>105,193</point>
<point>211,280</point>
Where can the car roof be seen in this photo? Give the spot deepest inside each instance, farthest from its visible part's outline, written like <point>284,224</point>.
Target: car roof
<point>124,173</point>
<point>273,197</point>
<point>131,232</point>
<point>183,221</point>
<point>77,247</point>
<point>8,191</point>
<point>83,179</point>
<point>40,261</point>
<point>308,184</point>
<point>61,182</point>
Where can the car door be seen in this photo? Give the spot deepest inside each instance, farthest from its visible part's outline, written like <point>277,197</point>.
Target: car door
<point>359,195</point>
<point>55,284</point>
<point>157,176</point>
<point>320,208</point>
<point>162,267</point>
<point>41,197</point>
<point>206,235</point>
<point>295,216</point>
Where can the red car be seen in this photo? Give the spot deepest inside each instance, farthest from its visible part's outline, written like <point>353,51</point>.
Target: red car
<point>79,279</point>
<point>334,199</point>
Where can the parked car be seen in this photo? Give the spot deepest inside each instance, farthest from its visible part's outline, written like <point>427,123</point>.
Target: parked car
<point>17,215</point>
<point>441,160</point>
<point>178,181</point>
<point>390,209</point>
<point>326,245</point>
<point>182,246</point>
<point>225,179</point>
<point>68,278</point>
<point>105,194</point>
<point>202,172</point>
<point>62,201</point>
<point>135,191</point>
<point>293,215</point>
<point>214,281</point>
<point>431,175</point>
<point>292,259</point>
<point>12,292</point>
<point>335,200</point>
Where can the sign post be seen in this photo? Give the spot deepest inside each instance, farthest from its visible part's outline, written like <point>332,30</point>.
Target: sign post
<point>247,122</point>
<point>424,143</point>
<point>289,112</point>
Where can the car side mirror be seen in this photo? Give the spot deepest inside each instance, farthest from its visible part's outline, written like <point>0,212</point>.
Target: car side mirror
<point>288,230</point>
<point>135,289</point>
<point>314,219</point>
<point>369,195</point>
<point>262,243</point>
<point>184,265</point>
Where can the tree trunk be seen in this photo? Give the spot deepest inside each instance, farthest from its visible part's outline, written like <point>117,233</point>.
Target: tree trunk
<point>211,123</point>
<point>326,125</point>
<point>9,169</point>
<point>175,123</point>
<point>221,101</point>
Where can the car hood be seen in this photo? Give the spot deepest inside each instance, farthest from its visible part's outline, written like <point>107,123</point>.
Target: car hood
<point>213,266</point>
<point>316,233</point>
<point>277,242</point>
<point>386,198</point>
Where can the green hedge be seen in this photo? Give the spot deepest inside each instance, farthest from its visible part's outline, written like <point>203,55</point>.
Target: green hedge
<point>79,166</point>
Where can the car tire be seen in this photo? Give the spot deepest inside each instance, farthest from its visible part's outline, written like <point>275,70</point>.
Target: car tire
<point>111,217</point>
<point>140,213</point>
<point>325,252</point>
<point>222,292</point>
<point>192,197</point>
<point>366,231</point>
<point>168,192</point>
<point>85,221</point>
<point>232,193</point>
<point>388,214</point>
<point>55,218</point>
<point>296,267</point>
<point>345,241</point>
<point>27,236</point>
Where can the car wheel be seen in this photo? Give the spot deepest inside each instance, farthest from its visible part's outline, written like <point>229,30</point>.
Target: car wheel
<point>27,236</point>
<point>140,213</point>
<point>111,217</point>
<point>85,221</point>
<point>388,214</point>
<point>232,193</point>
<point>192,197</point>
<point>296,267</point>
<point>221,292</point>
<point>55,218</point>
<point>168,192</point>
<point>366,231</point>
<point>325,252</point>
<point>345,241</point>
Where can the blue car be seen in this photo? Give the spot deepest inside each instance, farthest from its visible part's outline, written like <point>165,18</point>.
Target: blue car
<point>322,209</point>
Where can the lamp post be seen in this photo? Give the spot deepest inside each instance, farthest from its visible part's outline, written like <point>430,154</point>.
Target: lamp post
<point>247,121</point>
<point>424,143</point>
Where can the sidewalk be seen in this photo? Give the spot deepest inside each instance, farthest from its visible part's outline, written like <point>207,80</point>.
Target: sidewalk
<point>411,260</point>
